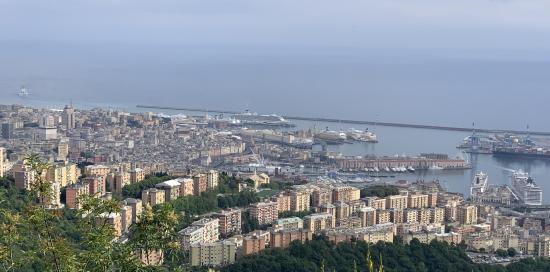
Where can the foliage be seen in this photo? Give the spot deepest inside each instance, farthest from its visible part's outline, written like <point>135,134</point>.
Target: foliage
<point>241,199</point>
<point>155,231</point>
<point>379,191</point>
<point>134,190</point>
<point>512,252</point>
<point>502,253</point>
<point>288,214</point>
<point>248,224</point>
<point>311,256</point>
<point>36,238</point>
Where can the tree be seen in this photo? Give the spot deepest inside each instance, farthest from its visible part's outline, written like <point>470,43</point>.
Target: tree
<point>98,235</point>
<point>44,234</point>
<point>155,233</point>
<point>502,253</point>
<point>512,252</point>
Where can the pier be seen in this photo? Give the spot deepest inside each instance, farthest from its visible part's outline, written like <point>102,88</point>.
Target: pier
<point>360,122</point>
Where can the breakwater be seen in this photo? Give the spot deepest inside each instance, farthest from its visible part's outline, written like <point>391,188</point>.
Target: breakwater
<point>360,122</point>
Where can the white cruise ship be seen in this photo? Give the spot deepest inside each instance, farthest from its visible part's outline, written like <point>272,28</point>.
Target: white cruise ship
<point>525,188</point>
<point>248,118</point>
<point>362,136</point>
<point>479,184</point>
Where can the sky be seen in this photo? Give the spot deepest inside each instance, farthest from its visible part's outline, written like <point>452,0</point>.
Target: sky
<point>418,61</point>
<point>466,25</point>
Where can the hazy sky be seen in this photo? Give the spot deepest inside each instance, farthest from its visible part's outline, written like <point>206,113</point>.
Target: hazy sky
<point>425,61</point>
<point>476,25</point>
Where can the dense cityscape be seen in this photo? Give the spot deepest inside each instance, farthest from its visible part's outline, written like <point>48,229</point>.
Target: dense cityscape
<point>237,187</point>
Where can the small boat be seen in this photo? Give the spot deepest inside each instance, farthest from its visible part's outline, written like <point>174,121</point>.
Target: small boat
<point>23,93</point>
<point>387,169</point>
<point>436,167</point>
<point>410,169</point>
<point>376,169</point>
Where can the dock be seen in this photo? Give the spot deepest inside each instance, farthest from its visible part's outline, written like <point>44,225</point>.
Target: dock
<point>360,122</point>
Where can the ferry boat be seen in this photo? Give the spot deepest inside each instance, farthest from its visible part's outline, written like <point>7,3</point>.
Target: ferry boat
<point>479,184</point>
<point>525,188</point>
<point>23,92</point>
<point>362,136</point>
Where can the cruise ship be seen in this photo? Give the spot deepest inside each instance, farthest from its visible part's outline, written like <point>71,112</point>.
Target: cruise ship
<point>248,118</point>
<point>331,136</point>
<point>362,136</point>
<point>479,184</point>
<point>525,188</point>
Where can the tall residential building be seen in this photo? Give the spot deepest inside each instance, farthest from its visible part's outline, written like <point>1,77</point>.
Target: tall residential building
<point>63,172</point>
<point>264,212</point>
<point>126,215</point>
<point>283,238</point>
<point>432,199</point>
<point>153,196</point>
<point>53,199</point>
<point>74,192</point>
<point>299,200</point>
<point>542,246</point>
<point>230,222</point>
<point>186,187</point>
<point>205,230</point>
<point>62,150</point>
<point>2,155</point>
<point>383,216</point>
<point>368,216</point>
<point>253,244</point>
<point>97,170</point>
<point>213,254</point>
<point>467,215</point>
<point>96,185</point>
<point>200,184</point>
<point>113,219</point>
<point>417,201</point>
<point>7,130</point>
<point>283,202</point>
<point>319,221</point>
<point>345,193</point>
<point>137,207</point>
<point>24,176</point>
<point>212,178</point>
<point>396,202</point>
<point>171,189</point>
<point>288,223</point>
<point>437,215</point>
<point>321,197</point>
<point>376,202</point>
<point>137,175</point>
<point>69,117</point>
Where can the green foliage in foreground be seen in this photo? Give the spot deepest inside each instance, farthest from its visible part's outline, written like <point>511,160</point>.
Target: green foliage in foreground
<point>36,238</point>
<point>351,256</point>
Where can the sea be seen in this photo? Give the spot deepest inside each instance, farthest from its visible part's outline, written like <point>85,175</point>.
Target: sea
<point>417,87</point>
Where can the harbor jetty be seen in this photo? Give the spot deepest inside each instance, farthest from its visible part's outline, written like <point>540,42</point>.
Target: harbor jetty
<point>359,122</point>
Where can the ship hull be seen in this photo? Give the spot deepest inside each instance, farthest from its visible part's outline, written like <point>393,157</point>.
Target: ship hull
<point>520,155</point>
